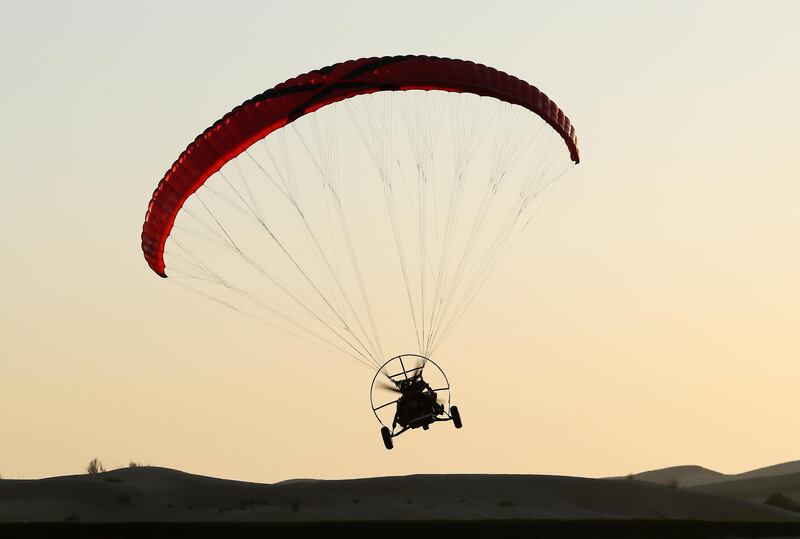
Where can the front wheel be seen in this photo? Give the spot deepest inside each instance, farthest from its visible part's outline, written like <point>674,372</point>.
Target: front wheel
<point>386,434</point>
<point>456,416</point>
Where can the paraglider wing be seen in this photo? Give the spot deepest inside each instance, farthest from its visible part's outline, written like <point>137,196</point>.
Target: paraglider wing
<point>286,102</point>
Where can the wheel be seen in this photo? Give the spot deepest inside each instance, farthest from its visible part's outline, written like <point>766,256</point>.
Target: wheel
<point>386,434</point>
<point>456,416</point>
<point>425,427</point>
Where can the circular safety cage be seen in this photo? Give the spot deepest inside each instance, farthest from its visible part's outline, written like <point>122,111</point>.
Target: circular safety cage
<point>385,389</point>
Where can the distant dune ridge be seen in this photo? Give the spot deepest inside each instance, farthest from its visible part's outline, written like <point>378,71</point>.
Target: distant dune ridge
<point>777,485</point>
<point>683,476</point>
<point>753,486</point>
<point>161,494</point>
<point>693,475</point>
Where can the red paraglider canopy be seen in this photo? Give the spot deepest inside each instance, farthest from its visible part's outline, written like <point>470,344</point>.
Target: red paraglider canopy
<point>258,117</point>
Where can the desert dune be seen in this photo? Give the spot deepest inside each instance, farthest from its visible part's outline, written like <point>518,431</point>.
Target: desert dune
<point>152,494</point>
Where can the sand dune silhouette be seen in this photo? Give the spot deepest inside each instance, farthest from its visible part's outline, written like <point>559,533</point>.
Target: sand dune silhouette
<point>152,494</point>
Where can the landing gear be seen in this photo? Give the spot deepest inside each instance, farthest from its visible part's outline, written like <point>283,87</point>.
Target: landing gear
<point>386,434</point>
<point>456,417</point>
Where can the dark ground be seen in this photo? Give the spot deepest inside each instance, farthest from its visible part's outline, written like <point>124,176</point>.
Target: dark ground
<point>557,529</point>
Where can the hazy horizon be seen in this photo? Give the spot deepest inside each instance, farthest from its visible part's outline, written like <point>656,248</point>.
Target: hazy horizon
<point>649,318</point>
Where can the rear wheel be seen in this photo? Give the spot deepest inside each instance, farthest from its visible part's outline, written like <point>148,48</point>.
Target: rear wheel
<point>386,434</point>
<point>456,416</point>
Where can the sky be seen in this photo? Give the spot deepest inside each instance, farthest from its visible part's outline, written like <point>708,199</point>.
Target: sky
<point>649,318</point>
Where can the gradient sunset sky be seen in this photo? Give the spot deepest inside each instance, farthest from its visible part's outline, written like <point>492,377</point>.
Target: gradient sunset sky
<point>651,317</point>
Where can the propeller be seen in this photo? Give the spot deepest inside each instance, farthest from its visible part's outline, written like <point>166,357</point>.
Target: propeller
<point>419,363</point>
<point>383,384</point>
